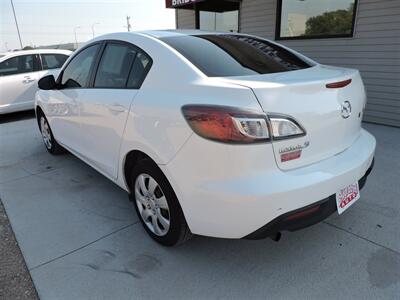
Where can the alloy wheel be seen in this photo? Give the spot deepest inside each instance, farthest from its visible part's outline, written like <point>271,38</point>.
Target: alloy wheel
<point>152,204</point>
<point>46,134</point>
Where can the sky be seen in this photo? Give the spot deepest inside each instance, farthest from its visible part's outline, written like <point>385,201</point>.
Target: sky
<point>49,22</point>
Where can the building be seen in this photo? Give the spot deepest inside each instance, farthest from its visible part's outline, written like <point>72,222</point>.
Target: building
<point>361,34</point>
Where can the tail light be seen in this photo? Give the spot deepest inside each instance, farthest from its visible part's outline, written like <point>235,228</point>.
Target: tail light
<point>233,125</point>
<point>284,127</point>
<point>227,124</point>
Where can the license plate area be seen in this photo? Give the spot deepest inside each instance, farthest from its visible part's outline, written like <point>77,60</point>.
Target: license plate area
<point>347,196</point>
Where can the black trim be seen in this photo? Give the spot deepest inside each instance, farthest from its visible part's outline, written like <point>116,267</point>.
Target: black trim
<point>311,37</point>
<point>324,209</point>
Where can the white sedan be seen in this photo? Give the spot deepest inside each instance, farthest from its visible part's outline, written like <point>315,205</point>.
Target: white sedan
<point>19,75</point>
<point>222,135</point>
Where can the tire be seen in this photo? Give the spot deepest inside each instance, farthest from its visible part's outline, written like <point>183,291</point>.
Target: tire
<point>156,206</point>
<point>47,136</point>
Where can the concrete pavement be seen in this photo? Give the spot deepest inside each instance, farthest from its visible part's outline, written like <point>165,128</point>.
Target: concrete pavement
<point>81,238</point>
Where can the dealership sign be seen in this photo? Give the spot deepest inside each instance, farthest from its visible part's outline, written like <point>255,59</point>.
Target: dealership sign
<point>177,3</point>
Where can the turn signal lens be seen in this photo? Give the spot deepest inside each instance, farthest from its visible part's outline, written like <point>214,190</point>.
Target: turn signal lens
<point>283,127</point>
<point>227,124</point>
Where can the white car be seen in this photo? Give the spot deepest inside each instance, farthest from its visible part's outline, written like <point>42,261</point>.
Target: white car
<point>222,135</point>
<point>19,75</point>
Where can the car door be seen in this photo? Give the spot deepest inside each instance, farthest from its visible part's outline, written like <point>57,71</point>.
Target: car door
<point>63,103</point>
<point>105,107</point>
<point>18,82</point>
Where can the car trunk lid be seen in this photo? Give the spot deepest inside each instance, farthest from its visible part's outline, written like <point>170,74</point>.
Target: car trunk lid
<point>318,99</point>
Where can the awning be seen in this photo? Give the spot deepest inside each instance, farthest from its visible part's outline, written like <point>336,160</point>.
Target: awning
<point>208,5</point>
<point>180,3</point>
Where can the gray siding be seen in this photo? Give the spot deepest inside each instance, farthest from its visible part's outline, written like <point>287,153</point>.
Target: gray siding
<point>185,19</point>
<point>374,49</point>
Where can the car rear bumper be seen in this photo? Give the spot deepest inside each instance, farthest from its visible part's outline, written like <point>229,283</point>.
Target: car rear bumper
<point>233,191</point>
<point>303,217</point>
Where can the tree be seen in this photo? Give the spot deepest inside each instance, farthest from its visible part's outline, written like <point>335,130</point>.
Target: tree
<point>330,23</point>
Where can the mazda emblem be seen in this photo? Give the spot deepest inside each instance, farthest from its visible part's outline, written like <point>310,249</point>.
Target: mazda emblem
<point>346,109</point>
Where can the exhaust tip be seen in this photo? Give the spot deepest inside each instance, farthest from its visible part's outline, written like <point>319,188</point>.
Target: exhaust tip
<point>276,237</point>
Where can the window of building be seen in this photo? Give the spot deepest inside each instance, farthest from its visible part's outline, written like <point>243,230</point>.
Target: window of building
<point>221,15</point>
<point>300,19</point>
<point>219,21</point>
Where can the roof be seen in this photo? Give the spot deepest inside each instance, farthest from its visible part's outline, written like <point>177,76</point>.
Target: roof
<point>35,51</point>
<point>173,32</point>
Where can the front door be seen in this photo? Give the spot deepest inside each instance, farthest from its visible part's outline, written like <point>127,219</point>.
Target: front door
<point>63,105</point>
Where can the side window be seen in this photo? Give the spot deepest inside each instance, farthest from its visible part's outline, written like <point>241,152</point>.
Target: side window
<point>139,70</point>
<point>53,61</point>
<point>17,65</point>
<point>114,66</point>
<point>77,73</point>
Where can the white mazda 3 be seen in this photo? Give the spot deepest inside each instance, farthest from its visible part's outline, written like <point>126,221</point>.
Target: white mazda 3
<point>217,134</point>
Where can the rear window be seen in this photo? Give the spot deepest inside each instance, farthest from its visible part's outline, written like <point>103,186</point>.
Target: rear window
<point>53,61</point>
<point>235,55</point>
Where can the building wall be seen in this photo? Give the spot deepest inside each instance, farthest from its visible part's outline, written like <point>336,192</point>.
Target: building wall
<point>185,19</point>
<point>374,49</point>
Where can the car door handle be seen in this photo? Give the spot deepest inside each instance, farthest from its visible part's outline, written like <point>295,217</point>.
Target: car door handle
<point>117,108</point>
<point>28,79</point>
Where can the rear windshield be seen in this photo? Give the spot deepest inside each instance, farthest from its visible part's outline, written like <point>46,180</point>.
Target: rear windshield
<point>235,55</point>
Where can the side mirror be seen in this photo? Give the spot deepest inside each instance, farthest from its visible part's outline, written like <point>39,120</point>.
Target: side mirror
<point>47,83</point>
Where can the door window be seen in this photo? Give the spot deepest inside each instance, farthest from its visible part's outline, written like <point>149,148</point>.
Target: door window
<point>77,73</point>
<point>53,61</point>
<point>114,67</point>
<point>18,65</point>
<point>140,68</point>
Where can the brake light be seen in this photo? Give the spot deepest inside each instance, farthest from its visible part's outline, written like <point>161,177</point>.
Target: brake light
<point>227,124</point>
<point>339,84</point>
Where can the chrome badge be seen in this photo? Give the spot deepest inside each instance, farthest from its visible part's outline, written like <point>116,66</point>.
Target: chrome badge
<point>346,109</point>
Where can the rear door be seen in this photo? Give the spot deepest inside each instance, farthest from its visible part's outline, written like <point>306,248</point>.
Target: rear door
<point>51,63</point>
<point>18,82</point>
<point>105,107</point>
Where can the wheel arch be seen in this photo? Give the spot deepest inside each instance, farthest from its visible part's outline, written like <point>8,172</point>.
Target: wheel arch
<point>38,112</point>
<point>132,158</point>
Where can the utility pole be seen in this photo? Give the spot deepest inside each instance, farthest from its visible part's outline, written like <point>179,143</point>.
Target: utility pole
<point>93,27</point>
<point>128,24</point>
<point>76,39</point>
<point>16,23</point>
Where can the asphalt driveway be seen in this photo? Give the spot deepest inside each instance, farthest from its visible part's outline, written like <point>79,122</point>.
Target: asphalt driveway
<point>81,238</point>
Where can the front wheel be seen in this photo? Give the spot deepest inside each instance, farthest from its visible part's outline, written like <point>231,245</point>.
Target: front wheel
<point>48,139</point>
<point>157,205</point>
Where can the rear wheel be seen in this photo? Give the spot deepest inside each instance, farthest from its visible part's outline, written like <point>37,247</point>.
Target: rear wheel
<point>157,205</point>
<point>48,139</point>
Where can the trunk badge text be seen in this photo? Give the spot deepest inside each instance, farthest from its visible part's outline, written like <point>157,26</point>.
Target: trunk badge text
<point>292,152</point>
<point>346,109</point>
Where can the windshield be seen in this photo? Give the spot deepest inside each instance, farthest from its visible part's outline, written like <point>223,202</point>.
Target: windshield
<point>235,55</point>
